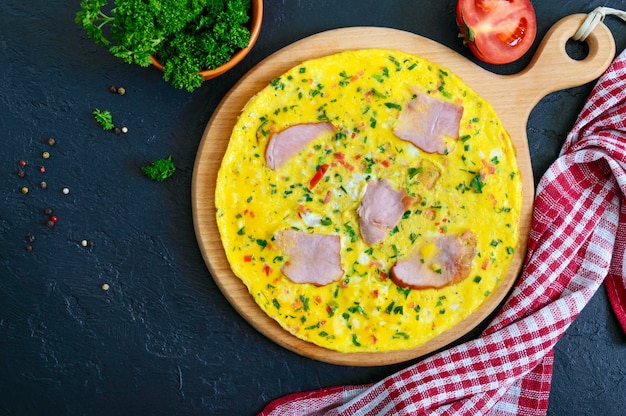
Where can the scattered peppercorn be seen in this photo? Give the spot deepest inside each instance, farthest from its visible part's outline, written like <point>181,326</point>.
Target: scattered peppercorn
<point>28,247</point>
<point>20,173</point>
<point>66,191</point>
<point>84,243</point>
<point>124,129</point>
<point>49,223</point>
<point>117,130</point>
<point>22,162</point>
<point>105,286</point>
<point>45,155</point>
<point>42,169</point>
<point>51,141</point>
<point>43,185</point>
<point>121,91</point>
<point>47,211</point>
<point>54,218</point>
<point>30,238</point>
<point>113,89</point>
<point>24,190</point>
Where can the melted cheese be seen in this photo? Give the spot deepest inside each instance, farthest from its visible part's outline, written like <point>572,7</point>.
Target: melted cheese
<point>360,93</point>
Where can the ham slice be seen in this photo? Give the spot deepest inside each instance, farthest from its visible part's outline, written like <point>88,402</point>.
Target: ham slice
<point>445,260</point>
<point>288,142</point>
<point>311,258</point>
<point>380,210</point>
<point>426,120</point>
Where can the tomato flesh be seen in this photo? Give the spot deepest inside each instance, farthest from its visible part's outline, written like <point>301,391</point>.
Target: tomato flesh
<point>497,31</point>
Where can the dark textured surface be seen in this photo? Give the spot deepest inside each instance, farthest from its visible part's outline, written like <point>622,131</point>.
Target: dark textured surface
<point>163,339</point>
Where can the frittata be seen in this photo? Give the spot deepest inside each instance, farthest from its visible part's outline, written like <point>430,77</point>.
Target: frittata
<point>348,230</point>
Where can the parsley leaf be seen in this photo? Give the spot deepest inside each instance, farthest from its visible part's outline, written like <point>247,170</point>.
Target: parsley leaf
<point>477,183</point>
<point>160,169</point>
<point>103,118</point>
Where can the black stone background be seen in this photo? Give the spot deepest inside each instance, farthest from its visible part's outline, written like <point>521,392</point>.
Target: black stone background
<point>163,339</point>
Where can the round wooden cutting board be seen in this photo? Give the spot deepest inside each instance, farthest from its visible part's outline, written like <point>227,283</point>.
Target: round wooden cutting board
<point>512,96</point>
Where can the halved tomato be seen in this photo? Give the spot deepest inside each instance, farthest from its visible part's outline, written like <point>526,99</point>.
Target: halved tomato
<point>497,31</point>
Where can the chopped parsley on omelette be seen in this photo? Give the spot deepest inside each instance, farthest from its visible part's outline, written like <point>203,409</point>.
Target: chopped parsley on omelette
<point>324,179</point>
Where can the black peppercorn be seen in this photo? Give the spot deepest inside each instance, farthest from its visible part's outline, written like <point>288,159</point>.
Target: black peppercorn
<point>30,238</point>
<point>51,141</point>
<point>21,173</point>
<point>28,247</point>
<point>47,211</point>
<point>113,89</point>
<point>49,223</point>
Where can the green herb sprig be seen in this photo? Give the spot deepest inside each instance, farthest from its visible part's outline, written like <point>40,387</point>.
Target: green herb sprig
<point>160,169</point>
<point>104,119</point>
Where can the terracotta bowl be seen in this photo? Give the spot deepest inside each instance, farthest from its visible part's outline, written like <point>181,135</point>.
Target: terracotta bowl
<point>255,28</point>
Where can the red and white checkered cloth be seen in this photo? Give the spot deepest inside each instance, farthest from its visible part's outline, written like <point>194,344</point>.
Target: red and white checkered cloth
<point>577,241</point>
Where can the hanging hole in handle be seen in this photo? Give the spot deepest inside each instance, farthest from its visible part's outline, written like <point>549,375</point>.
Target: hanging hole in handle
<point>577,50</point>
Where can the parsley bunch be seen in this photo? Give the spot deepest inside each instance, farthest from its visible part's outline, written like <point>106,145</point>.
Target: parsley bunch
<point>186,36</point>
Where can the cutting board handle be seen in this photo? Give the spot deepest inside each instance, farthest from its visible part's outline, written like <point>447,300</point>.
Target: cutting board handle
<point>552,62</point>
